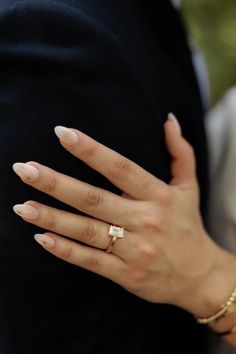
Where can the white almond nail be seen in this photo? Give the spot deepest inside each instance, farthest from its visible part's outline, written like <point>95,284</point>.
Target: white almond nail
<point>45,240</point>
<point>26,211</point>
<point>175,121</point>
<point>66,135</point>
<point>25,171</point>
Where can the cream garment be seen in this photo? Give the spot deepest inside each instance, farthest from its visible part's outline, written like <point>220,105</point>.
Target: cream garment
<point>176,3</point>
<point>221,130</point>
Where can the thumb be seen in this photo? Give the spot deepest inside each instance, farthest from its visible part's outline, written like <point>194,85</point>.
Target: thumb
<point>183,159</point>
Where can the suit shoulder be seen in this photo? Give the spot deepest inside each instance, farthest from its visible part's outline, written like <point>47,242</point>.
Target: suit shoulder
<point>38,26</point>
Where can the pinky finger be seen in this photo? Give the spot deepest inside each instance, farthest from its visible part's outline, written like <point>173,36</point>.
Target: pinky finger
<point>92,259</point>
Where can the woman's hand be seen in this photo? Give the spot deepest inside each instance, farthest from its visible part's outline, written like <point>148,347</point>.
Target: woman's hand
<point>165,256</point>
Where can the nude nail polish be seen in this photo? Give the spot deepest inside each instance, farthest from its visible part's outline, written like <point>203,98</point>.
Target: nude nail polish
<point>45,240</point>
<point>175,121</point>
<point>26,211</point>
<point>66,135</point>
<point>25,171</point>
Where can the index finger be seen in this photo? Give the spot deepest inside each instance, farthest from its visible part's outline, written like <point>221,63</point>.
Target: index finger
<point>122,172</point>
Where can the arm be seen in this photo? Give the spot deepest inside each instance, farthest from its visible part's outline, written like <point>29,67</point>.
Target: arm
<point>166,255</point>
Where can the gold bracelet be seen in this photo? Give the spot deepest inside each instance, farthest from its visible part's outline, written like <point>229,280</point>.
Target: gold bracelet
<point>227,308</point>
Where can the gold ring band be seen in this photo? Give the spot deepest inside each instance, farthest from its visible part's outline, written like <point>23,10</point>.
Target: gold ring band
<point>110,247</point>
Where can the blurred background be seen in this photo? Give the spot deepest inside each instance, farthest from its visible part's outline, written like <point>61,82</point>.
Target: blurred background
<point>213,26</point>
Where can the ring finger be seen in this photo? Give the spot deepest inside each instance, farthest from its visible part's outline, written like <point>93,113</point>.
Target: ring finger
<point>84,229</point>
<point>94,201</point>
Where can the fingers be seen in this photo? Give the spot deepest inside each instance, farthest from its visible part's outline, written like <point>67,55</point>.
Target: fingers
<point>183,160</point>
<point>122,172</point>
<point>100,262</point>
<point>84,229</point>
<point>93,201</point>
<point>87,230</point>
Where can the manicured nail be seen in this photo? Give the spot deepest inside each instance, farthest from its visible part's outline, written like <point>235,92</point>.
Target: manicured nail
<point>25,171</point>
<point>26,211</point>
<point>175,121</point>
<point>45,240</point>
<point>66,135</point>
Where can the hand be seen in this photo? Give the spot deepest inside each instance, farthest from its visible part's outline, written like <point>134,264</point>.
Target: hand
<point>165,256</point>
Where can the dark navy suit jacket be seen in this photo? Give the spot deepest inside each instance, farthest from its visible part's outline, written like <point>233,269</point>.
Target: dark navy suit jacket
<point>113,69</point>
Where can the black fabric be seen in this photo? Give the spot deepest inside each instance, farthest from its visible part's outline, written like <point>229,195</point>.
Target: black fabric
<point>112,69</point>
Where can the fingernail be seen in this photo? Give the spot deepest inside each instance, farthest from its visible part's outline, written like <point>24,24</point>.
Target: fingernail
<point>45,240</point>
<point>66,135</point>
<point>25,171</point>
<point>175,121</point>
<point>26,211</point>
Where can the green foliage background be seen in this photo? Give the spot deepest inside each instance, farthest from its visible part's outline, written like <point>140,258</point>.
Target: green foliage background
<point>213,26</point>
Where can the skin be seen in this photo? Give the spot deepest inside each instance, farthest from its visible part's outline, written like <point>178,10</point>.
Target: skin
<point>166,255</point>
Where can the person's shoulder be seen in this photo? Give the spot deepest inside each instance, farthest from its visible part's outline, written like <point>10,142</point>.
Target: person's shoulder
<point>42,12</point>
<point>50,30</point>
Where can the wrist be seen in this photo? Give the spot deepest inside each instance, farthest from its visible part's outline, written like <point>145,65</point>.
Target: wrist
<point>225,325</point>
<point>217,286</point>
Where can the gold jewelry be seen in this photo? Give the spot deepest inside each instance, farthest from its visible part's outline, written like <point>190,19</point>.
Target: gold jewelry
<point>115,232</point>
<point>227,308</point>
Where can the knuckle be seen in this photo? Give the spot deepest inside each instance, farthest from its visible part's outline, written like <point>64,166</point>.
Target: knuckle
<point>145,252</point>
<point>93,262</point>
<point>89,233</point>
<point>139,276</point>
<point>51,185</point>
<point>120,168</point>
<point>67,252</point>
<point>92,198</point>
<point>89,152</point>
<point>151,223</point>
<point>50,221</point>
<point>136,279</point>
